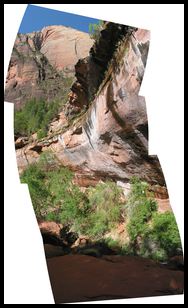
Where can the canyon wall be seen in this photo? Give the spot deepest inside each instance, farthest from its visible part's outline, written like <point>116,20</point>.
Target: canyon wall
<point>110,138</point>
<point>40,60</point>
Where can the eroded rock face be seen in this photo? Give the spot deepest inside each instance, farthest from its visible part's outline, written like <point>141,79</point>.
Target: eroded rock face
<point>40,60</point>
<point>111,139</point>
<point>90,71</point>
<point>64,46</point>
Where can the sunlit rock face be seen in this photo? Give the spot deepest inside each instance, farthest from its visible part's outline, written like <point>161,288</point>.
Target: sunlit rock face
<point>64,46</point>
<point>40,59</point>
<point>111,139</point>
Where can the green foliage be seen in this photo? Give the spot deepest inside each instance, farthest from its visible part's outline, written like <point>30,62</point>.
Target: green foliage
<point>105,208</point>
<point>52,216</point>
<point>53,194</point>
<point>35,117</point>
<point>159,255</point>
<point>127,249</point>
<point>165,232</point>
<point>20,123</point>
<point>56,197</point>
<point>140,216</point>
<point>35,177</point>
<point>138,196</point>
<point>119,247</point>
<point>159,239</point>
<point>95,29</point>
<point>94,213</point>
<point>139,209</point>
<point>67,197</point>
<point>111,243</point>
<point>41,133</point>
<point>37,114</point>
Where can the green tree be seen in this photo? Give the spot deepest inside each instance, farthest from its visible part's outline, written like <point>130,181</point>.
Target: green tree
<point>139,210</point>
<point>35,178</point>
<point>35,116</point>
<point>165,232</point>
<point>105,208</point>
<point>158,232</point>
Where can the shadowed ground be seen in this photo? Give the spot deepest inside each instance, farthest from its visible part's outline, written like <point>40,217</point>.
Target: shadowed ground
<point>77,278</point>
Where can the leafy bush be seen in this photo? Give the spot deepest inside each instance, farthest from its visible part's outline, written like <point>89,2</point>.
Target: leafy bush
<point>66,197</point>
<point>95,212</point>
<point>20,123</point>
<point>55,197</point>
<point>139,209</point>
<point>105,208</point>
<point>159,255</point>
<point>52,216</point>
<point>165,232</point>
<point>35,179</point>
<point>139,195</point>
<point>127,249</point>
<point>161,240</point>
<point>141,215</point>
<point>73,208</point>
<point>113,244</point>
<point>53,194</point>
<point>157,240</point>
<point>36,114</point>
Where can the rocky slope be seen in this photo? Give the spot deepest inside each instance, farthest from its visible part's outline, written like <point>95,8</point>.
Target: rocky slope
<point>110,139</point>
<point>40,60</point>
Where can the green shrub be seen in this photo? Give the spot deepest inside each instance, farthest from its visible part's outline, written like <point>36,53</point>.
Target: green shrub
<point>93,213</point>
<point>20,123</point>
<point>127,249</point>
<point>35,179</point>
<point>158,240</point>
<point>137,225</point>
<point>105,208</point>
<point>41,133</point>
<point>113,244</point>
<point>159,255</point>
<point>165,232</point>
<point>53,194</point>
<point>97,224</point>
<point>55,197</point>
<point>73,208</point>
<point>52,216</point>
<point>139,209</point>
<point>138,196</point>
<point>35,116</point>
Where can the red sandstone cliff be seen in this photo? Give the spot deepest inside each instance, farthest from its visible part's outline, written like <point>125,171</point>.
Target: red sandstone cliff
<point>40,60</point>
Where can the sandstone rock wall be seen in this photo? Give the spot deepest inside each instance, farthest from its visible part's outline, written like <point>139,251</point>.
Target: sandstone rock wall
<point>40,60</point>
<point>111,139</point>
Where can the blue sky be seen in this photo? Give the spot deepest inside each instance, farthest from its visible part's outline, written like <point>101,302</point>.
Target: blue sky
<point>35,18</point>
